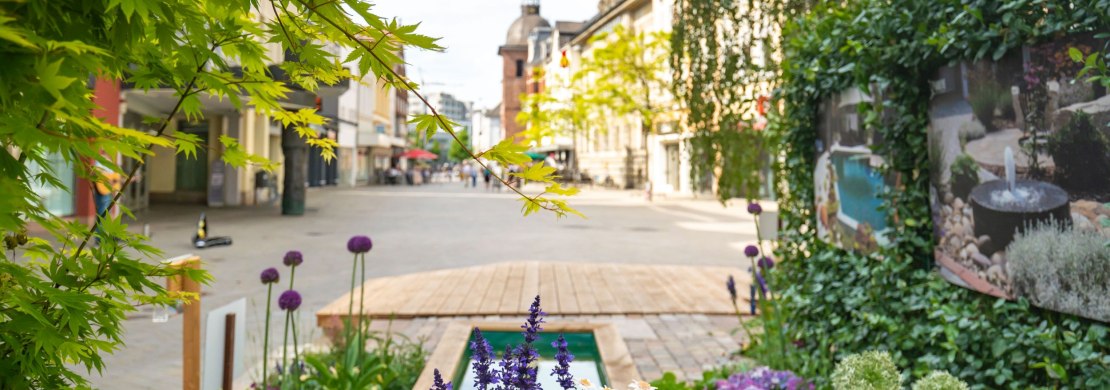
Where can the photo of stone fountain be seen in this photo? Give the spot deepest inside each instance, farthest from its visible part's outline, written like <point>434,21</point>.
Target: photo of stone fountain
<point>1033,144</point>
<point>1003,208</point>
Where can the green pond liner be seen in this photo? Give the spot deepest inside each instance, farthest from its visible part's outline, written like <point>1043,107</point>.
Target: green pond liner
<point>587,359</point>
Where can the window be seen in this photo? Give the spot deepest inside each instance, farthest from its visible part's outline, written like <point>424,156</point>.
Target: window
<point>519,68</point>
<point>380,129</point>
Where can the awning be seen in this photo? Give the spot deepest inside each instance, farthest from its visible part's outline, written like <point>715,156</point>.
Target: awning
<point>418,154</point>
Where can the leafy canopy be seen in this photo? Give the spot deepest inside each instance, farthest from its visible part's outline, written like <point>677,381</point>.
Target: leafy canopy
<point>62,298</point>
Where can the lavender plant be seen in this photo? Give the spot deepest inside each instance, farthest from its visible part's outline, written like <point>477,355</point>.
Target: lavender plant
<point>482,353</point>
<point>562,369</point>
<point>439,385</point>
<point>517,370</point>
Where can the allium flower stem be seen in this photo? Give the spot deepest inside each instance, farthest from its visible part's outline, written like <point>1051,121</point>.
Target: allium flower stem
<point>285,342</point>
<point>292,275</point>
<point>296,353</point>
<point>266,334</point>
<point>351,293</point>
<point>362,304</point>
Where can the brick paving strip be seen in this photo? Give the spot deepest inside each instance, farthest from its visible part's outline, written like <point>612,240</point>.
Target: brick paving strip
<point>670,318</point>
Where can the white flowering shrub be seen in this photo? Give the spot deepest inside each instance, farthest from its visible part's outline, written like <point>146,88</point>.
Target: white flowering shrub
<point>939,380</point>
<point>873,370</point>
<point>1062,269</point>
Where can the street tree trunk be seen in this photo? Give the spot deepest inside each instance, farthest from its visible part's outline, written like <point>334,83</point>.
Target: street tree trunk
<point>296,172</point>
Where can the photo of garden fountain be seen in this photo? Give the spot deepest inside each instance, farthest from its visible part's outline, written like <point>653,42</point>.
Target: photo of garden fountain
<point>1020,181</point>
<point>847,180</point>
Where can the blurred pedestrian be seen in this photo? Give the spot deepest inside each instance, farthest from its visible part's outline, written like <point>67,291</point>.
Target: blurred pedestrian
<point>106,186</point>
<point>485,174</point>
<point>496,171</point>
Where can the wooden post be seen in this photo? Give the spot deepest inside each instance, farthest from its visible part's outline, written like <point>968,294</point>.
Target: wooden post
<point>229,351</point>
<point>190,339</point>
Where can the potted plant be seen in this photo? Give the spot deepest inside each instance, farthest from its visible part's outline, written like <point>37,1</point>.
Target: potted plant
<point>965,176</point>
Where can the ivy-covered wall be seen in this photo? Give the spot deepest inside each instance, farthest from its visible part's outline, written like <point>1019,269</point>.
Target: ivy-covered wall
<point>835,302</point>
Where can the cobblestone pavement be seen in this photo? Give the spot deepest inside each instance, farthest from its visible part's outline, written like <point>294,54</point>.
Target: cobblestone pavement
<point>419,229</point>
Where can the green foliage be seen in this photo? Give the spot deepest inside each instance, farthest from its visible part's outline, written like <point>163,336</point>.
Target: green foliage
<point>1081,152</point>
<point>708,379</point>
<point>965,165</point>
<point>986,97</point>
<point>63,298</point>
<point>874,370</point>
<point>393,362</point>
<point>1062,268</point>
<point>839,303</point>
<point>726,55</point>
<point>939,380</point>
<point>456,152</point>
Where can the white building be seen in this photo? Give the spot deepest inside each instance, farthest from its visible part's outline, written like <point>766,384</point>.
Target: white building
<point>485,128</point>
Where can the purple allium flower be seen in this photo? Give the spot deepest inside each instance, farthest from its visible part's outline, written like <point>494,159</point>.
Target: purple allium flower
<point>270,275</point>
<point>359,244</point>
<point>751,251</point>
<point>766,262</point>
<point>289,300</point>
<point>754,208</point>
<point>293,258</point>
<point>563,358</point>
<point>731,285</point>
<point>439,385</point>
<point>482,353</point>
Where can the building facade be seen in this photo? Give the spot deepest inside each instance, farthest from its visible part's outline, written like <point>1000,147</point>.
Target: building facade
<point>515,71</point>
<point>613,150</point>
<point>485,128</point>
<point>450,107</point>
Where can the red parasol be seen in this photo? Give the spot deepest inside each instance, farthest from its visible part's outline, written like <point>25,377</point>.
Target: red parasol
<point>419,154</point>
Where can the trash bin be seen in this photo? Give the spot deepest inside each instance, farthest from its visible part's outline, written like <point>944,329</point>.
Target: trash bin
<point>262,193</point>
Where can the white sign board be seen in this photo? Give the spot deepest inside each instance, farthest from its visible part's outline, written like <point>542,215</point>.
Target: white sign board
<point>212,362</point>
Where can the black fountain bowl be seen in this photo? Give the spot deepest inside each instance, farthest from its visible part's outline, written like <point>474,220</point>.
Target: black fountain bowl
<point>1001,223</point>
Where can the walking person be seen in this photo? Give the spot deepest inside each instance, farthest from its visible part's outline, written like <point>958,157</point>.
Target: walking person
<point>465,172</point>
<point>473,176</point>
<point>496,171</point>
<point>104,190</point>
<point>485,175</point>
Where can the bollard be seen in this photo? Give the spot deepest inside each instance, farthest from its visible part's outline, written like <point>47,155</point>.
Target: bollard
<point>190,340</point>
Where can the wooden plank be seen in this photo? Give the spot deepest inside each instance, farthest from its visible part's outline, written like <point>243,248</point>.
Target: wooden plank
<point>564,289</point>
<point>678,296</point>
<point>548,296</point>
<point>460,292</point>
<point>531,286</point>
<point>448,281</point>
<point>715,297</point>
<point>483,282</point>
<point>491,302</point>
<point>446,357</point>
<point>618,363</point>
<point>514,287</point>
<point>603,292</point>
<point>629,295</point>
<point>584,291</point>
<point>658,300</point>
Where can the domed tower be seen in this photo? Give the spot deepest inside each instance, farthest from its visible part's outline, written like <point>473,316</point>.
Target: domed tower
<point>514,53</point>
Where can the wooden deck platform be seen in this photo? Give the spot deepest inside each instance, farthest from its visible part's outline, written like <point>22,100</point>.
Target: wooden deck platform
<point>565,289</point>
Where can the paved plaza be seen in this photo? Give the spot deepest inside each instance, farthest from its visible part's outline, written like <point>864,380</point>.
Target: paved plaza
<point>428,228</point>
